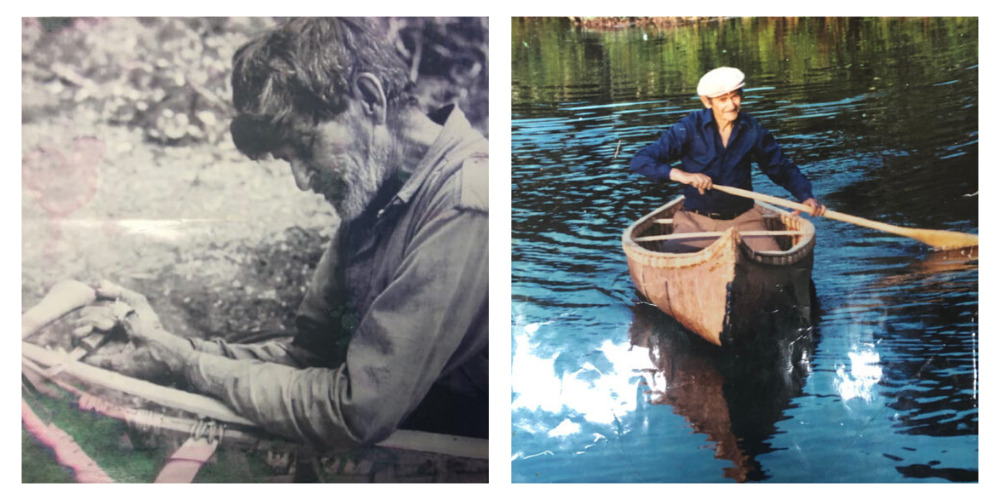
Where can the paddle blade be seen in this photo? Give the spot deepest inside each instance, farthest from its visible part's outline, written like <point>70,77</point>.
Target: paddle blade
<point>945,240</point>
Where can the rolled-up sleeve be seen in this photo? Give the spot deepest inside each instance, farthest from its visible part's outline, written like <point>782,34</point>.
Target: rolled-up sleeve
<point>426,319</point>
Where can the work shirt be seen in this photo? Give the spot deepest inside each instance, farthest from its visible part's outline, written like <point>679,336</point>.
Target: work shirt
<point>407,287</point>
<point>696,142</point>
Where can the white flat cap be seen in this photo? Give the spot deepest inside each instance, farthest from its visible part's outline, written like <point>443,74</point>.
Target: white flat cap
<point>720,81</point>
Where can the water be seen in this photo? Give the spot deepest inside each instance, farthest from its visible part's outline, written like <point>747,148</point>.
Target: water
<point>882,116</point>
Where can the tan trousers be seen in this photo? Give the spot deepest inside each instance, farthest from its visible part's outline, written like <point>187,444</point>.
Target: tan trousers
<point>751,220</point>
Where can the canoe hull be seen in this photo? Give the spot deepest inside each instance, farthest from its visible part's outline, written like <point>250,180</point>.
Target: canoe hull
<point>723,291</point>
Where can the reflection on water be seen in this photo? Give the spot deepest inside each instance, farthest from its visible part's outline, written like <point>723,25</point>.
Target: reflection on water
<point>591,389</point>
<point>934,374</point>
<point>733,397</point>
<point>882,116</point>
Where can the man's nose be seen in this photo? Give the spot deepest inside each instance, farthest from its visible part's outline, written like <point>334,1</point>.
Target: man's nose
<point>301,174</point>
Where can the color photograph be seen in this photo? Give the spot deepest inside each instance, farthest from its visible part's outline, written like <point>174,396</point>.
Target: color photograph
<point>744,250</point>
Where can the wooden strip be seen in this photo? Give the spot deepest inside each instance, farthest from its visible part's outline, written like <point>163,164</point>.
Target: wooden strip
<point>444,444</point>
<point>85,346</point>
<point>459,446</point>
<point>34,380</point>
<point>62,298</point>
<point>166,396</point>
<point>716,234</point>
<point>67,296</point>
<point>146,419</point>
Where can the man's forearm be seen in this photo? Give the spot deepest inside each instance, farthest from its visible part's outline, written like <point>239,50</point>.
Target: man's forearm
<point>287,400</point>
<point>173,351</point>
<point>306,405</point>
<point>272,352</point>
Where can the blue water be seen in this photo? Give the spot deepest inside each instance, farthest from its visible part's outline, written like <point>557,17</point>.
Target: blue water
<point>882,388</point>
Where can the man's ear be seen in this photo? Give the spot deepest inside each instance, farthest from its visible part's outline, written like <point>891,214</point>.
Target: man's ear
<point>706,101</point>
<point>369,90</point>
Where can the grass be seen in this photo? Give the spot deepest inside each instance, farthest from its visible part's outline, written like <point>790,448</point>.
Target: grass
<point>119,450</point>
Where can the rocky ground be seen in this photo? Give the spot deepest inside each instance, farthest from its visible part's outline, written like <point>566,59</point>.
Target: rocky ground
<point>129,173</point>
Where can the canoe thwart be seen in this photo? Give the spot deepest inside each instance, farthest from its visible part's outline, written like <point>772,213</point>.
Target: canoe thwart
<point>715,234</point>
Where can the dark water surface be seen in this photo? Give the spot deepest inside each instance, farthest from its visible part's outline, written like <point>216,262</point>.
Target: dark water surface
<point>882,116</point>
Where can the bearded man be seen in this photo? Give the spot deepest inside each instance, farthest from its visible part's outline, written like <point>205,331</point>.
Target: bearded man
<point>404,281</point>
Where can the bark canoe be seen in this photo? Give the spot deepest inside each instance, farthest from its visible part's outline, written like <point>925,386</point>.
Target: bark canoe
<point>720,291</point>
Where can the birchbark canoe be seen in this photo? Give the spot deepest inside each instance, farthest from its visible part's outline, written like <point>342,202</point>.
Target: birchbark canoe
<point>720,291</point>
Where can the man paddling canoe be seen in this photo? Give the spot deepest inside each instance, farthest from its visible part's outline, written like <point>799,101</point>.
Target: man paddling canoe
<point>716,146</point>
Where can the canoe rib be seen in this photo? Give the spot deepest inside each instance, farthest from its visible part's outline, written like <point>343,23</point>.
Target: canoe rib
<point>704,289</point>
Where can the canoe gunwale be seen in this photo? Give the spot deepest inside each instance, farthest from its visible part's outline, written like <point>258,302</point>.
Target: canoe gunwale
<point>647,257</point>
<point>797,252</point>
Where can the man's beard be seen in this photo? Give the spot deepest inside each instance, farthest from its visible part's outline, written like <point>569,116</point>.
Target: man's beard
<point>351,191</point>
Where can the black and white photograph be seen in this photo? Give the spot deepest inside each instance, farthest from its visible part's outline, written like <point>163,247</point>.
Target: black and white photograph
<point>254,249</point>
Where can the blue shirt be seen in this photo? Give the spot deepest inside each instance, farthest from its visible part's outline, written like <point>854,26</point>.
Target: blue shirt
<point>696,142</point>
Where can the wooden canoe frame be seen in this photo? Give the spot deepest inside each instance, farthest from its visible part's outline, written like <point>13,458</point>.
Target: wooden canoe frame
<point>707,290</point>
<point>70,295</point>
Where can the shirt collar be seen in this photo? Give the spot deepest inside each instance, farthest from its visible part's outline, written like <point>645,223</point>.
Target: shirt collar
<point>453,140</point>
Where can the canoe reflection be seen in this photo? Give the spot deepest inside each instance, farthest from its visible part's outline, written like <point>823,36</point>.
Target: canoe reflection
<point>735,396</point>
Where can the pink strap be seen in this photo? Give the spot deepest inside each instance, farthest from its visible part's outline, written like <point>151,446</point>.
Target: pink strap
<point>68,452</point>
<point>185,463</point>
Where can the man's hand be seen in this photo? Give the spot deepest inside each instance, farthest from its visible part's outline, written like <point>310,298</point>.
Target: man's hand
<point>700,181</point>
<point>153,346</point>
<point>132,360</point>
<point>817,208</point>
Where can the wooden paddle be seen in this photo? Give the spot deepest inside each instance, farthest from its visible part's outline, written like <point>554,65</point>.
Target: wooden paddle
<point>942,240</point>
